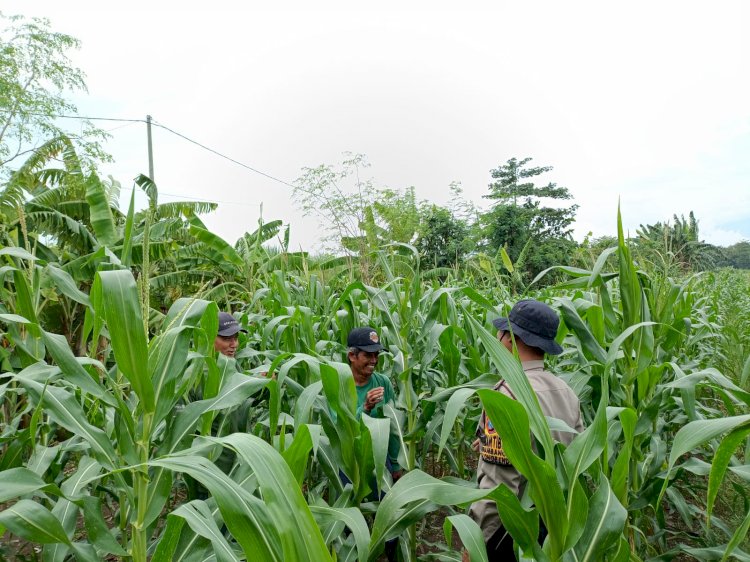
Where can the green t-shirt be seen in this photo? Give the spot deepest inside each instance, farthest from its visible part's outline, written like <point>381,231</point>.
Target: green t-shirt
<point>376,380</point>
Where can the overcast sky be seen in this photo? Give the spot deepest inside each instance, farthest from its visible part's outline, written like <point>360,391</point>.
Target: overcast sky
<point>646,102</point>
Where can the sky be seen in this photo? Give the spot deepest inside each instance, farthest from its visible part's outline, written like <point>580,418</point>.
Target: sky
<point>645,103</point>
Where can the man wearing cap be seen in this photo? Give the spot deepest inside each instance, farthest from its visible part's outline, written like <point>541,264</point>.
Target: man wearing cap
<point>532,327</point>
<point>227,338</point>
<point>373,389</point>
<point>226,342</point>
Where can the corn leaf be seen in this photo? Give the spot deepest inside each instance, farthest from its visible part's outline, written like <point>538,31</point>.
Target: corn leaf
<point>522,524</point>
<point>63,407</point>
<point>300,535</point>
<point>739,535</point>
<point>511,422</point>
<point>199,518</point>
<point>455,404</point>
<point>16,482</point>
<point>73,371</point>
<point>603,527</point>
<point>31,521</point>
<point>720,462</point>
<point>354,521</point>
<point>246,517</point>
<point>96,528</point>
<point>67,285</point>
<point>414,495</point>
<point>120,306</point>
<point>298,453</point>
<point>470,533</point>
<point>696,433</point>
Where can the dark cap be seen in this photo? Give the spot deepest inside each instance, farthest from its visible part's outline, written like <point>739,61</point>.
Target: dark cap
<point>365,339</point>
<point>535,323</point>
<point>228,325</point>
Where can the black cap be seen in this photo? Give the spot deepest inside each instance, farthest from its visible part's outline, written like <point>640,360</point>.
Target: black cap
<point>535,323</point>
<point>365,339</point>
<point>228,325</point>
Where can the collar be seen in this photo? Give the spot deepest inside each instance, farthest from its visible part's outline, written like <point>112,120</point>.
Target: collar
<point>534,365</point>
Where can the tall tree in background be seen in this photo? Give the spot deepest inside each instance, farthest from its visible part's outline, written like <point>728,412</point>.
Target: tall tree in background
<point>535,236</point>
<point>358,217</point>
<point>35,74</point>
<point>397,215</point>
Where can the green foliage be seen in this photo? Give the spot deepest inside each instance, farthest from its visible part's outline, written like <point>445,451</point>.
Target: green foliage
<point>676,248</point>
<point>534,236</point>
<point>359,217</point>
<point>443,239</point>
<point>398,211</point>
<point>121,413</point>
<point>738,255</point>
<point>35,73</point>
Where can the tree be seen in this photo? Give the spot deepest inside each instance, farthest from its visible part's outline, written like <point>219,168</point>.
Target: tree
<point>35,73</point>
<point>397,211</point>
<point>342,209</point>
<point>358,217</point>
<point>446,233</point>
<point>589,250</point>
<point>677,246</point>
<point>535,236</point>
<point>443,239</point>
<point>738,255</point>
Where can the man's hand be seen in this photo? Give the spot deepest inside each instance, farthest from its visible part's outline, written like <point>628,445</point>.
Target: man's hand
<point>465,556</point>
<point>373,397</point>
<point>396,475</point>
<point>476,445</point>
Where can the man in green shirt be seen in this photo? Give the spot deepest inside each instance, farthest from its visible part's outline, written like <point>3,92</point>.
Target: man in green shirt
<point>373,389</point>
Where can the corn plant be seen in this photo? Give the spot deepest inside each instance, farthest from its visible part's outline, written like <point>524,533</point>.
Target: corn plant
<point>106,433</point>
<point>137,445</point>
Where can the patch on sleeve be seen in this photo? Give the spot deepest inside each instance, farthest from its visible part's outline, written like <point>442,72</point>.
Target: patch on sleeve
<point>492,446</point>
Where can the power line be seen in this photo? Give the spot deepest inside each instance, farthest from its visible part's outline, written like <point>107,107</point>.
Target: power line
<point>87,118</point>
<point>119,127</point>
<point>188,199</point>
<point>157,124</point>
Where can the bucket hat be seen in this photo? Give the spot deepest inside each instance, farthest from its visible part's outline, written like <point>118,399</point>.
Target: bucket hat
<point>535,323</point>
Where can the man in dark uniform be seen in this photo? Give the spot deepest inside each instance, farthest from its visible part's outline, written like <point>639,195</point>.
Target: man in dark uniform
<point>532,325</point>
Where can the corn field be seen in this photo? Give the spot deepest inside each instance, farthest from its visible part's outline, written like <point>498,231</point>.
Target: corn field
<point>107,328</point>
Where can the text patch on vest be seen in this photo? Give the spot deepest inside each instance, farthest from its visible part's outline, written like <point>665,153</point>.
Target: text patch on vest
<point>492,446</point>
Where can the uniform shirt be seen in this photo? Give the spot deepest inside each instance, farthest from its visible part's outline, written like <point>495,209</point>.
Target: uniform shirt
<point>376,380</point>
<point>557,400</point>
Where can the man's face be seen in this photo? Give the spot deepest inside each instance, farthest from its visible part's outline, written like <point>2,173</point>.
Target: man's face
<point>505,339</point>
<point>227,345</point>
<point>363,363</point>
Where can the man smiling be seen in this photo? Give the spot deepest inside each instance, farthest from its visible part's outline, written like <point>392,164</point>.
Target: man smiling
<point>373,389</point>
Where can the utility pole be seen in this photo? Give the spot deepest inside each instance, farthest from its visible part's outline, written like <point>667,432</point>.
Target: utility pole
<point>150,149</point>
